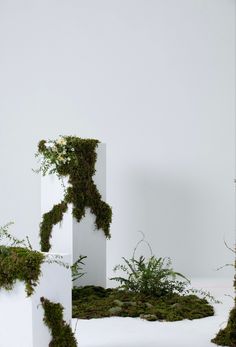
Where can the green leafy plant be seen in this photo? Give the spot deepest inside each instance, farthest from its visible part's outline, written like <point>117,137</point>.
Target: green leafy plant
<point>227,336</point>
<point>77,268</point>
<point>150,289</point>
<point>152,276</point>
<point>62,335</point>
<point>9,240</point>
<point>72,158</point>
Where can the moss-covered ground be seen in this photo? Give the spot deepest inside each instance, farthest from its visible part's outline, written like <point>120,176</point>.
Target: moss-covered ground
<point>97,302</point>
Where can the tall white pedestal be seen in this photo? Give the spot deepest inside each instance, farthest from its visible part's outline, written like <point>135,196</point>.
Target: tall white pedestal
<point>21,318</point>
<point>79,238</point>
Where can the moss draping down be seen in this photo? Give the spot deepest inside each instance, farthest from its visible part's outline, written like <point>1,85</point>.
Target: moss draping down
<point>19,263</point>
<point>62,335</point>
<point>74,158</point>
<point>227,336</point>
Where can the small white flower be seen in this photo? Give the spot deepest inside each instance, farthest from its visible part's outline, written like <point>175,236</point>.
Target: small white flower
<point>61,141</point>
<point>60,158</point>
<point>48,144</point>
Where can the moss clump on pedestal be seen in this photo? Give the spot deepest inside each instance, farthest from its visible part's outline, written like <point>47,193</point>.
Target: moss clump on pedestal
<point>19,263</point>
<point>75,158</point>
<point>62,335</point>
<point>227,336</point>
<point>97,302</point>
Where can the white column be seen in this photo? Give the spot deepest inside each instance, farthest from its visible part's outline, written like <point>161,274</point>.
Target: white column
<point>21,317</point>
<point>79,238</point>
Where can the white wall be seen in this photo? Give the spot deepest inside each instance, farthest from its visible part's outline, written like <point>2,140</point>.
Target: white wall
<point>155,80</point>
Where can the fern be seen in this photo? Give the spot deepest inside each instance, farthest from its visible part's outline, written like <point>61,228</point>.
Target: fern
<point>152,276</point>
<point>77,267</point>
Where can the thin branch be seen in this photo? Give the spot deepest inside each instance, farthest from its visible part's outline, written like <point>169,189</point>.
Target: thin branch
<point>231,249</point>
<point>222,267</point>
<point>142,241</point>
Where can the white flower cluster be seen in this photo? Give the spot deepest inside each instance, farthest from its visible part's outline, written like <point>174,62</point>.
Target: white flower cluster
<point>61,141</point>
<point>58,152</point>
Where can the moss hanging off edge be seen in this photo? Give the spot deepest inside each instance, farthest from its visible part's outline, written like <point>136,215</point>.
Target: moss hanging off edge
<point>19,263</point>
<point>50,219</point>
<point>61,332</point>
<point>227,336</point>
<point>74,158</point>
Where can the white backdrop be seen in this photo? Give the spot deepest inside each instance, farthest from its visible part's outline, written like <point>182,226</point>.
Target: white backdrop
<point>155,81</point>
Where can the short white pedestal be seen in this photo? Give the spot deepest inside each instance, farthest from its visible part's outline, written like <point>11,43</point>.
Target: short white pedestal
<point>79,238</point>
<point>21,318</point>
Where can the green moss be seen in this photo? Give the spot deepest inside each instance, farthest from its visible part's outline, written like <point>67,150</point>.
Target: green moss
<point>77,162</point>
<point>97,302</point>
<point>227,336</point>
<point>62,335</point>
<point>49,219</point>
<point>19,263</point>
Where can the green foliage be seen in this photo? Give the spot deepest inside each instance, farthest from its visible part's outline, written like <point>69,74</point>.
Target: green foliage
<point>77,268</point>
<point>62,335</point>
<point>96,302</point>
<point>9,240</point>
<point>153,276</point>
<point>74,158</point>
<point>151,291</point>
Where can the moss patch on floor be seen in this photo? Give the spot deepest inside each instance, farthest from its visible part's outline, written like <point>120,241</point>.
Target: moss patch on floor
<point>97,302</point>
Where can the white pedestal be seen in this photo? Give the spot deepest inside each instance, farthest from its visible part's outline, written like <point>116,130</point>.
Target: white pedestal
<point>21,318</point>
<point>79,238</point>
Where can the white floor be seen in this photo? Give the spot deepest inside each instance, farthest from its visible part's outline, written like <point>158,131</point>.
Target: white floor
<point>134,332</point>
